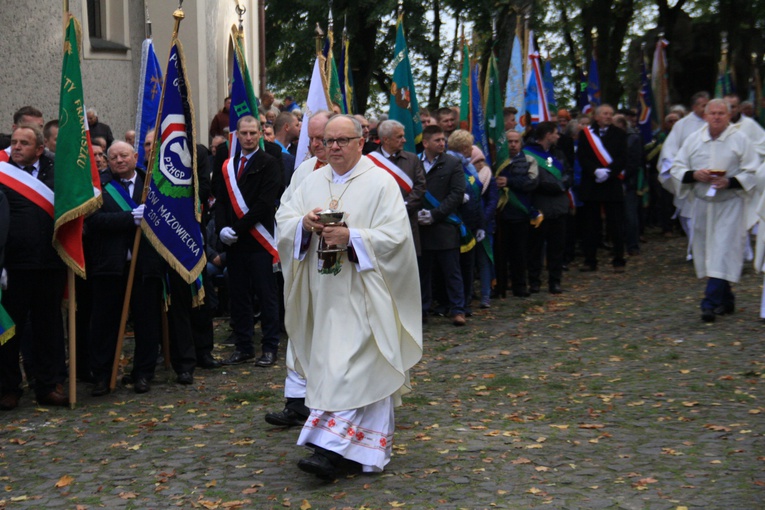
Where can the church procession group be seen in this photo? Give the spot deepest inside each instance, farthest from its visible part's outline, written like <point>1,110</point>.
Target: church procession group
<point>343,235</point>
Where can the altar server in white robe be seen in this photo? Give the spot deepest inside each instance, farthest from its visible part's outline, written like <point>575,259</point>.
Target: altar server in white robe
<point>354,324</point>
<point>681,131</point>
<point>717,167</point>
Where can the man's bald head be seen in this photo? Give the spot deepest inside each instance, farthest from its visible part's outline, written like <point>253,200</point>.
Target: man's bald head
<point>122,159</point>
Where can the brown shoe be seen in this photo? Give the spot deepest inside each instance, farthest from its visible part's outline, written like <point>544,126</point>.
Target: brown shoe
<point>458,319</point>
<point>57,397</point>
<point>9,401</point>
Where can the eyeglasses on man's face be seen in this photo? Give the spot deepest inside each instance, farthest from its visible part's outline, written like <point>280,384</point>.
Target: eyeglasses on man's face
<point>341,142</point>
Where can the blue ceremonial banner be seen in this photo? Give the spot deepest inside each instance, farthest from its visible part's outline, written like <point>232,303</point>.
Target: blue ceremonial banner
<point>552,105</point>
<point>645,106</point>
<point>172,215</point>
<point>593,85</point>
<point>536,98</point>
<point>515,90</point>
<point>479,116</point>
<point>582,104</point>
<point>149,92</point>
<point>240,107</point>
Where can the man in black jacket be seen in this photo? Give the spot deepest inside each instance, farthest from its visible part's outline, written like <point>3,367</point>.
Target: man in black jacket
<point>440,237</point>
<point>602,155</point>
<point>550,197</point>
<point>245,211</point>
<point>35,273</point>
<point>109,235</point>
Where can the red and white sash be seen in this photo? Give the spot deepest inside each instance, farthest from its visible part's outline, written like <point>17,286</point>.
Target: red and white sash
<point>5,155</point>
<point>403,180</point>
<point>259,232</point>
<point>597,147</point>
<point>27,186</point>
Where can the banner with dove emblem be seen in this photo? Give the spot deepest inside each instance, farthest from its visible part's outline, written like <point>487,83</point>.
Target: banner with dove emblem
<point>171,220</point>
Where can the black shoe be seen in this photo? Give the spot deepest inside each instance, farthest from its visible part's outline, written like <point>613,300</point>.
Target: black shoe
<point>555,288</point>
<point>725,309</point>
<point>266,360</point>
<point>318,465</point>
<point>100,389</point>
<point>708,315</point>
<point>238,357</point>
<point>207,360</point>
<point>141,385</point>
<point>588,268</point>
<point>534,288</point>
<point>185,378</point>
<point>127,379</point>
<point>286,418</point>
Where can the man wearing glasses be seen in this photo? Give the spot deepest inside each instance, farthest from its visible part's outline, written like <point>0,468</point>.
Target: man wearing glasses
<point>354,327</point>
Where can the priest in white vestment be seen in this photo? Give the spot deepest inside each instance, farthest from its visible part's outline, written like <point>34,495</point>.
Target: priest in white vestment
<point>355,324</point>
<point>716,166</point>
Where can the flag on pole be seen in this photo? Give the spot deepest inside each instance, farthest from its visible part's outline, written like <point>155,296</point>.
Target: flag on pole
<point>465,91</point>
<point>403,99</point>
<point>346,76</point>
<point>244,71</point>
<point>241,106</point>
<point>646,118</point>
<point>659,82</point>
<point>516,88</point>
<point>593,85</point>
<point>171,220</point>
<point>536,97</point>
<point>149,92</point>
<point>552,105</point>
<point>317,100</point>
<point>724,84</point>
<point>333,79</point>
<point>495,121</point>
<point>77,188</point>
<point>478,115</point>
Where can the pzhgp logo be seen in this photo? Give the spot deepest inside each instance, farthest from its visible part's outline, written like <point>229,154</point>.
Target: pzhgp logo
<point>175,156</point>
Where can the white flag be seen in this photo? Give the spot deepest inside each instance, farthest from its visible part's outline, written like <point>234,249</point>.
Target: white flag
<point>317,100</point>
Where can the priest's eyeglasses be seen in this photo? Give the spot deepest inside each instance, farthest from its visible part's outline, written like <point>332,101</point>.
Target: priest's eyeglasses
<point>341,142</point>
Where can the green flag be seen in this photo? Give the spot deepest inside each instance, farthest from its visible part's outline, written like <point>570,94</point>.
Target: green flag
<point>495,121</point>
<point>465,89</point>
<point>403,99</point>
<point>238,37</point>
<point>335,93</point>
<point>77,189</point>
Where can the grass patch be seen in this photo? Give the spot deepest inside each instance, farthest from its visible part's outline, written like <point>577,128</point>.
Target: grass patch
<point>250,396</point>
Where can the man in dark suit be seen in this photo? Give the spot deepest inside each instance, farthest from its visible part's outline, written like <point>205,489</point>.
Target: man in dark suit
<point>35,273</point>
<point>109,235</point>
<point>602,156</point>
<point>245,217</point>
<point>440,237</point>
<point>392,141</point>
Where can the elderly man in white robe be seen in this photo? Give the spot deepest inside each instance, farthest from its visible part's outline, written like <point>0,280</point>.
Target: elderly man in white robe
<point>716,166</point>
<point>354,322</point>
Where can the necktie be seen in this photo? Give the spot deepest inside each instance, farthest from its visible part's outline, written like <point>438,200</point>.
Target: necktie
<point>602,132</point>
<point>242,163</point>
<point>125,184</point>
<point>30,169</point>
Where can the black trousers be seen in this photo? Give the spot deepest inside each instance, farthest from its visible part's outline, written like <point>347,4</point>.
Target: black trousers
<point>252,272</point>
<point>145,304</point>
<point>551,234</point>
<point>614,212</point>
<point>35,294</point>
<point>191,329</point>
<point>513,246</point>
<point>448,264</point>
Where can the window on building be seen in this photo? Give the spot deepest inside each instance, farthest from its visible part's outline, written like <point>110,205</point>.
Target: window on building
<point>108,31</point>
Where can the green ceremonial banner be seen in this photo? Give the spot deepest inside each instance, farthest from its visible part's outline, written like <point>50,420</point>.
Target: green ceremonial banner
<point>465,89</point>
<point>403,99</point>
<point>495,121</point>
<point>77,189</point>
<point>335,93</point>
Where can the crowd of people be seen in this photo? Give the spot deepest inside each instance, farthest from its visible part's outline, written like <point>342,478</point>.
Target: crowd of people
<point>368,234</point>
